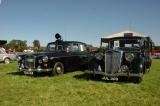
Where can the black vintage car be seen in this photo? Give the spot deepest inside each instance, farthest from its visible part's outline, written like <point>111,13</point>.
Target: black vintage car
<point>59,57</point>
<point>126,56</point>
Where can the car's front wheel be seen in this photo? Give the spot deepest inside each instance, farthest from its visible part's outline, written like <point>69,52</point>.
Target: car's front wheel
<point>122,79</point>
<point>58,69</point>
<point>6,60</point>
<point>136,79</point>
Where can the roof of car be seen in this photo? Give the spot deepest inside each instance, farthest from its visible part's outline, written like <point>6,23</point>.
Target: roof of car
<point>122,34</point>
<point>71,42</point>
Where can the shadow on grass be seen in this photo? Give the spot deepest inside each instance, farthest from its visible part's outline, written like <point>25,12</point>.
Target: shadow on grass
<point>36,74</point>
<point>33,75</point>
<point>87,77</point>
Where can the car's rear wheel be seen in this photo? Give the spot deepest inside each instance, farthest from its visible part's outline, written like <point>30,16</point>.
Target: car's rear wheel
<point>58,69</point>
<point>6,60</point>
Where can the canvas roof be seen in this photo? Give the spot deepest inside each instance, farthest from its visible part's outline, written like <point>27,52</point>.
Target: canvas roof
<point>121,34</point>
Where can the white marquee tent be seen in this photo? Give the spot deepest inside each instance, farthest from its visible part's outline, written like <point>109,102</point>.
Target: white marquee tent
<point>121,34</point>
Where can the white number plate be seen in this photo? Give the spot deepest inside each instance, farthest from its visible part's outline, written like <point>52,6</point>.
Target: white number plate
<point>28,73</point>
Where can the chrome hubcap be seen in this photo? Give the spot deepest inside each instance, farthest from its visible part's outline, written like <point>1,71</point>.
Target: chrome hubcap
<point>59,70</point>
<point>7,61</point>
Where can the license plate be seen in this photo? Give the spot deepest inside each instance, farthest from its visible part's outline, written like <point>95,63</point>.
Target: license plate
<point>28,72</point>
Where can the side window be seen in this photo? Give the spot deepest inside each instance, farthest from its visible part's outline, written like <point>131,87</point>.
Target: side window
<point>51,47</point>
<point>59,48</point>
<point>116,44</point>
<point>75,47</point>
<point>82,47</point>
<point>68,48</point>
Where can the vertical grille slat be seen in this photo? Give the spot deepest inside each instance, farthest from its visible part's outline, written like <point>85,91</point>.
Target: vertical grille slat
<point>112,61</point>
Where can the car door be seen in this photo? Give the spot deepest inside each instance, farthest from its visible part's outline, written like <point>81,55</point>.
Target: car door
<point>65,56</point>
<point>1,55</point>
<point>79,55</point>
<point>74,53</point>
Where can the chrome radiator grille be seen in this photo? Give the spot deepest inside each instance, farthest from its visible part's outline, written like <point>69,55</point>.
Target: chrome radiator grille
<point>112,61</point>
<point>30,62</point>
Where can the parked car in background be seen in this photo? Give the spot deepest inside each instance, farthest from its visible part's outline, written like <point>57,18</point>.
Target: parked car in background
<point>155,54</point>
<point>127,55</point>
<point>59,57</point>
<point>6,57</point>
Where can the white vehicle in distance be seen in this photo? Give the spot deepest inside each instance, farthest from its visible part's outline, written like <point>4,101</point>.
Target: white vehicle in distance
<point>5,57</point>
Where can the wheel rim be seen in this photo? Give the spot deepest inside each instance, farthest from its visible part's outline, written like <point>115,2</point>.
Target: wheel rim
<point>59,69</point>
<point>7,61</point>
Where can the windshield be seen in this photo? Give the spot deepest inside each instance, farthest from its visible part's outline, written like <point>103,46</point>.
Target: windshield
<point>129,43</point>
<point>54,47</point>
<point>122,43</point>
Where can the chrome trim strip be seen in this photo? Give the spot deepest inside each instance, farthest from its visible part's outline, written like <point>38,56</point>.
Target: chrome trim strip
<point>37,70</point>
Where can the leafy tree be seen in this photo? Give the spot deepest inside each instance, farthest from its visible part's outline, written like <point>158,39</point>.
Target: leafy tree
<point>17,45</point>
<point>36,45</point>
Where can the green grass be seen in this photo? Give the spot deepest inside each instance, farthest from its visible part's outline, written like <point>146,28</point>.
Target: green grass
<point>72,89</point>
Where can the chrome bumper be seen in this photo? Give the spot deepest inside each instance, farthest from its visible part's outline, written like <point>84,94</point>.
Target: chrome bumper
<point>35,70</point>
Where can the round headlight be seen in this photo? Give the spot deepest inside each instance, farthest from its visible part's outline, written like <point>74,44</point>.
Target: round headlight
<point>45,59</point>
<point>129,57</point>
<point>19,58</point>
<point>124,68</point>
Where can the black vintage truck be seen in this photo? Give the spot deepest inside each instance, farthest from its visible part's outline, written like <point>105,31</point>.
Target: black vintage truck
<point>59,57</point>
<point>126,55</point>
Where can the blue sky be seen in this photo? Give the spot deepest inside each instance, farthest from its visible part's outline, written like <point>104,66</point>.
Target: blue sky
<point>78,20</point>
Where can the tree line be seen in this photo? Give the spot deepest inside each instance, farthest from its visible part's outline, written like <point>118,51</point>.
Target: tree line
<point>21,45</point>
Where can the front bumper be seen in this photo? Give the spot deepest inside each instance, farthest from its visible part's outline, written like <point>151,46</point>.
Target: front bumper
<point>115,74</point>
<point>34,70</point>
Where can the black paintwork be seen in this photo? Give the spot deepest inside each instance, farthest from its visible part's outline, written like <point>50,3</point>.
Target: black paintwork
<point>62,51</point>
<point>141,62</point>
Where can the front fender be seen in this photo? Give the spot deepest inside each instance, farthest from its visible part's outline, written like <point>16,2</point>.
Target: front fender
<point>6,57</point>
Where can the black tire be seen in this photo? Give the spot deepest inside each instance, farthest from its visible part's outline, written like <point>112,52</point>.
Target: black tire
<point>122,79</point>
<point>35,74</point>
<point>136,79</point>
<point>58,69</point>
<point>98,76</point>
<point>144,69</point>
<point>93,65</point>
<point>88,76</point>
<point>6,60</point>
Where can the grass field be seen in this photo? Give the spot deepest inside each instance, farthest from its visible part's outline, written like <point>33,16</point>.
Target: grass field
<point>73,89</point>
